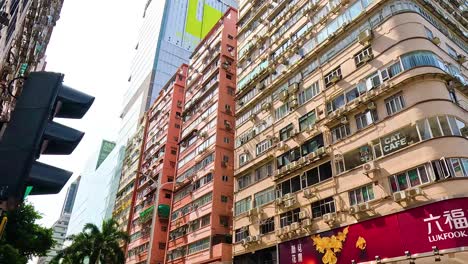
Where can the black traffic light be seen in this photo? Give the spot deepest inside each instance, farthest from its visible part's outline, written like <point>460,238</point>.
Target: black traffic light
<point>32,132</point>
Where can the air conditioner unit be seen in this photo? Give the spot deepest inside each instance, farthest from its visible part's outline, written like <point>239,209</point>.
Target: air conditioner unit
<point>371,106</point>
<point>289,196</point>
<point>365,37</point>
<point>289,203</point>
<point>399,196</point>
<point>227,124</point>
<point>414,192</point>
<point>254,211</point>
<point>370,167</point>
<point>436,40</point>
<point>309,193</point>
<point>334,79</point>
<point>355,209</point>
<point>312,129</point>
<point>311,156</point>
<point>266,106</point>
<point>244,242</point>
<point>302,214</point>
<point>320,151</point>
<point>306,222</point>
<point>461,58</point>
<point>329,218</point>
<point>282,146</point>
<point>301,161</point>
<point>286,229</point>
<point>367,58</point>
<point>279,201</point>
<point>260,86</point>
<point>253,117</point>
<point>255,239</point>
<point>293,104</point>
<point>283,96</point>
<point>344,120</point>
<point>293,88</point>
<point>295,226</point>
<point>279,232</point>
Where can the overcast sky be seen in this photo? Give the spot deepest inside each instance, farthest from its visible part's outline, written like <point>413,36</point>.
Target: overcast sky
<point>93,45</point>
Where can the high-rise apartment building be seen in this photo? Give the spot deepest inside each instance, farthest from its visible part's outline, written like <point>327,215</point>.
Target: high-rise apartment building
<point>150,207</point>
<point>169,32</point>
<point>60,227</point>
<point>201,216</point>
<point>351,132</point>
<point>130,167</point>
<point>25,30</point>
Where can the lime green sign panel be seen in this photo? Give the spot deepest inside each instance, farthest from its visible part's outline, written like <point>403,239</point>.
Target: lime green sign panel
<point>210,16</point>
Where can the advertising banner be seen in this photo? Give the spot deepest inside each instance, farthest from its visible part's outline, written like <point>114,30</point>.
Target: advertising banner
<point>443,224</point>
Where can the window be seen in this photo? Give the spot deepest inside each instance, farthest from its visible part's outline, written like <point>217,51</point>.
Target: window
<point>365,119</point>
<point>452,52</point>
<point>409,179</point>
<point>267,225</point>
<point>226,140</point>
<point>361,195</point>
<point>264,171</point>
<point>162,245</point>
<point>363,56</point>
<point>308,93</point>
<point>458,166</point>
<point>244,181</point>
<point>285,132</point>
<point>243,158</point>
<point>339,132</point>
<point>224,220</point>
<point>263,146</point>
<point>264,197</point>
<point>391,71</point>
<point>332,77</point>
<point>241,233</point>
<point>394,104</point>
<point>224,199</point>
<point>429,33</point>
<point>307,120</point>
<point>288,157</point>
<point>316,175</point>
<point>312,145</point>
<point>225,178</point>
<point>243,206</point>
<point>322,207</point>
<point>289,217</point>
<point>198,245</point>
<point>281,111</point>
<point>205,220</point>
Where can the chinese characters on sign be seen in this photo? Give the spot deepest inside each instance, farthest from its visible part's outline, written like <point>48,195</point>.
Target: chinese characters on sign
<point>296,253</point>
<point>453,222</point>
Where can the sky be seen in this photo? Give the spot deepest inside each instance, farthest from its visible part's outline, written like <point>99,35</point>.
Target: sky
<point>93,44</point>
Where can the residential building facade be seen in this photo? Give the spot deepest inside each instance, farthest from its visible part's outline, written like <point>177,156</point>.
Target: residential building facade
<point>169,32</point>
<point>25,30</point>
<point>201,213</point>
<point>131,164</point>
<point>351,132</point>
<point>150,208</point>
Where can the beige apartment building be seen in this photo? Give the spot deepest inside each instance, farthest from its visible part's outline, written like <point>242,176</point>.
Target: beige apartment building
<point>25,30</point>
<point>351,132</point>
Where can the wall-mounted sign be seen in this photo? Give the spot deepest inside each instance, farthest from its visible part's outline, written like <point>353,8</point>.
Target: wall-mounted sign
<point>393,142</point>
<point>443,224</point>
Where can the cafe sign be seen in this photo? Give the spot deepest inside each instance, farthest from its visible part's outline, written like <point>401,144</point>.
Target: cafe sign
<point>393,142</point>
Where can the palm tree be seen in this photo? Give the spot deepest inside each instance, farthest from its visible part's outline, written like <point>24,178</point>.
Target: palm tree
<point>97,246</point>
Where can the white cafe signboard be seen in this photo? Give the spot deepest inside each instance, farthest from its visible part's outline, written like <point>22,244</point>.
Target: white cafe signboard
<point>393,142</point>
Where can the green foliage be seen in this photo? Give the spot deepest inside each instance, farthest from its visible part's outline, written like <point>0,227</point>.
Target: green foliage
<point>98,246</point>
<point>23,238</point>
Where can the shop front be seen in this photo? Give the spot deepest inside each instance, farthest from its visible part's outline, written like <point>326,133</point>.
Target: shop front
<point>423,231</point>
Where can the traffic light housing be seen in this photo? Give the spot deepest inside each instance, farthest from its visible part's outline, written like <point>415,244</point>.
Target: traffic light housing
<point>32,132</point>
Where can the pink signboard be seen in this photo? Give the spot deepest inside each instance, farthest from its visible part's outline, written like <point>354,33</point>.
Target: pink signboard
<point>443,224</point>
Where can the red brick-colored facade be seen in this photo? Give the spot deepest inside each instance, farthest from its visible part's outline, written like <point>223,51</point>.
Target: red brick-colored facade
<point>148,222</point>
<point>201,216</point>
